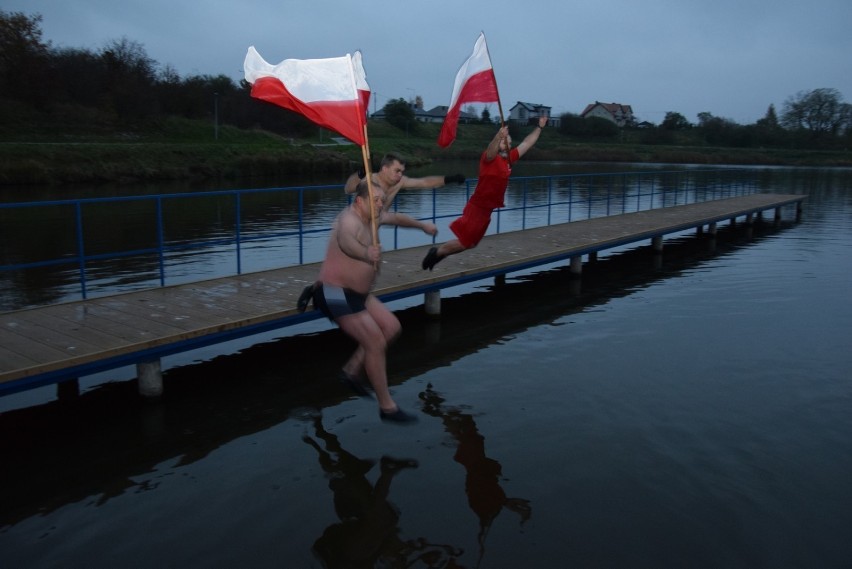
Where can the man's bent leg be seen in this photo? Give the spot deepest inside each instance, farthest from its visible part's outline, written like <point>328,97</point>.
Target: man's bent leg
<point>364,330</point>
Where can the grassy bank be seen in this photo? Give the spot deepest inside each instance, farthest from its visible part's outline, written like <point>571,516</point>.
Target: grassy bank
<point>85,148</point>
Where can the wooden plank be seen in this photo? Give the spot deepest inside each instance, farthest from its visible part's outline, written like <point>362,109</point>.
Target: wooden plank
<point>85,331</point>
<point>13,360</point>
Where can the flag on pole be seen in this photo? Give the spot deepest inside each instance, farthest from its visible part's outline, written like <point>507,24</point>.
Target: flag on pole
<point>475,83</point>
<point>331,92</point>
<point>361,81</point>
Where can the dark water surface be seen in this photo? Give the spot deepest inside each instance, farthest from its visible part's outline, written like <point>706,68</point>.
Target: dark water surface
<point>689,410</point>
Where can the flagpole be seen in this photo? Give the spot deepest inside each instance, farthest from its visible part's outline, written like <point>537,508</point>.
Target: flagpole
<point>365,154</point>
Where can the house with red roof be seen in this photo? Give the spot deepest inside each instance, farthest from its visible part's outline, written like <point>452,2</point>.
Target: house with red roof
<point>621,115</point>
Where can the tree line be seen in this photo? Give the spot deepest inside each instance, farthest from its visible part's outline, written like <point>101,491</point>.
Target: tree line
<point>810,119</point>
<point>121,80</point>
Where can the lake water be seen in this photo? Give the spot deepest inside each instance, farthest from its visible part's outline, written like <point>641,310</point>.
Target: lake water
<point>689,410</point>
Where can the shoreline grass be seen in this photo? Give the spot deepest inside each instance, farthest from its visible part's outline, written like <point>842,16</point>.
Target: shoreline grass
<point>179,149</point>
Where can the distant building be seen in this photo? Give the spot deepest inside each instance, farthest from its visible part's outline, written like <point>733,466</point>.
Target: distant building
<point>621,115</point>
<point>435,115</point>
<point>439,113</point>
<point>529,113</point>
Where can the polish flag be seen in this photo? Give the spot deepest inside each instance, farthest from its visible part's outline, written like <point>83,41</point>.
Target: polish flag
<point>475,83</point>
<point>332,92</point>
<point>361,81</point>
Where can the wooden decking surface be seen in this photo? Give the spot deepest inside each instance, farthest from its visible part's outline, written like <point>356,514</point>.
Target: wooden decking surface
<point>52,343</point>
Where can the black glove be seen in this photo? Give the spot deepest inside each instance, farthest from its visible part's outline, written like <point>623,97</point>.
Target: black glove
<point>454,179</point>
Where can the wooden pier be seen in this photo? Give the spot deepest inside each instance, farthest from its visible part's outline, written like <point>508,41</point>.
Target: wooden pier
<point>62,342</point>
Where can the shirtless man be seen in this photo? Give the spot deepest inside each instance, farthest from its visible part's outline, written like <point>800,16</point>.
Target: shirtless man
<point>342,293</point>
<point>391,178</point>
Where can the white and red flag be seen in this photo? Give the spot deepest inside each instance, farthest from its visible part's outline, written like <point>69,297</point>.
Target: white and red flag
<point>475,83</point>
<point>331,92</point>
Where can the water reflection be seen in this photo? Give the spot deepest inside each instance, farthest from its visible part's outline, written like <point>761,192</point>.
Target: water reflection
<point>229,402</point>
<point>485,496</point>
<point>367,534</point>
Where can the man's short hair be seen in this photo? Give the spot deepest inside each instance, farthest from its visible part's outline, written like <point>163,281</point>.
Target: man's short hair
<point>363,190</point>
<point>390,158</point>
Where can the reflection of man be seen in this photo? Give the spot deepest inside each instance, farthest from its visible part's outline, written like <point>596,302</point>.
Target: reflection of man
<point>485,496</point>
<point>367,534</point>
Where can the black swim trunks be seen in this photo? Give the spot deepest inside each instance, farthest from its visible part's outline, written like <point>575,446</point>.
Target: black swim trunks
<point>335,301</point>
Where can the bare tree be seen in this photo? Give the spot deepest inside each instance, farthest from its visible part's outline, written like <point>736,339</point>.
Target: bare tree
<point>821,112</point>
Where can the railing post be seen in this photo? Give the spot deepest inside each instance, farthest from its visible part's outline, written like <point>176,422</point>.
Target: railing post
<point>237,231</point>
<point>81,249</point>
<point>160,241</point>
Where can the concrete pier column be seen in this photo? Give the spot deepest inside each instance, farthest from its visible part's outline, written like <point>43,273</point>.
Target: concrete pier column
<point>432,302</point>
<point>777,214</point>
<point>657,243</point>
<point>798,211</point>
<point>699,230</point>
<point>577,265</point>
<point>749,219</point>
<point>150,377</point>
<point>593,257</point>
<point>500,280</point>
<point>67,390</point>
<point>711,229</point>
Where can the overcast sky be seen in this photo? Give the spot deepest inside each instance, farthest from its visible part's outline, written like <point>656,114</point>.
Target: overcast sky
<point>732,58</point>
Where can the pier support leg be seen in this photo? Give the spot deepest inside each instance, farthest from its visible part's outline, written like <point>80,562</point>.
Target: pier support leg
<point>777,215</point>
<point>699,230</point>
<point>657,243</point>
<point>67,390</point>
<point>749,219</point>
<point>711,229</point>
<point>798,211</point>
<point>150,377</point>
<point>432,302</point>
<point>577,265</point>
<point>500,280</point>
<point>593,257</point>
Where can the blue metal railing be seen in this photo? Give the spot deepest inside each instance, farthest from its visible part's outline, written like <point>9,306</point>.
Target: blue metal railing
<point>228,222</point>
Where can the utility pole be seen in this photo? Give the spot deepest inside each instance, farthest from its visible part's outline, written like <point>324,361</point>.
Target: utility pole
<point>216,115</point>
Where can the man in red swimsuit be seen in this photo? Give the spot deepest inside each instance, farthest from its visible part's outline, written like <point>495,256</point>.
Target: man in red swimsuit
<point>495,167</point>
